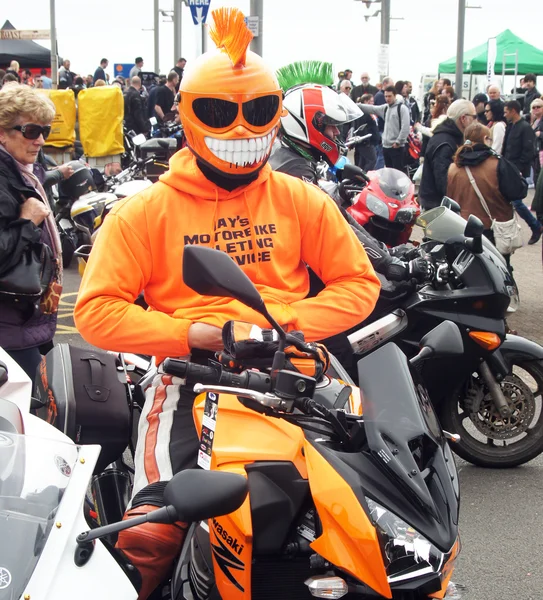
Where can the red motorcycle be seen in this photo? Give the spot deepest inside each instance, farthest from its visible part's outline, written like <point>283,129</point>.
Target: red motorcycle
<point>383,202</point>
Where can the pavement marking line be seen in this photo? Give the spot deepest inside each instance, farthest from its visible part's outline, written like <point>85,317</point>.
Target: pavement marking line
<point>66,329</point>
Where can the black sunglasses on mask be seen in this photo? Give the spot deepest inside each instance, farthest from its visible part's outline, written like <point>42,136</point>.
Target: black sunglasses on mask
<point>33,132</point>
<point>217,113</point>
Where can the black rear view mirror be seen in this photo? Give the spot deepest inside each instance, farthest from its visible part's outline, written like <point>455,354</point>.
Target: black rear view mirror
<point>451,204</point>
<point>213,273</point>
<point>198,495</point>
<point>474,231</point>
<point>443,340</point>
<point>354,173</point>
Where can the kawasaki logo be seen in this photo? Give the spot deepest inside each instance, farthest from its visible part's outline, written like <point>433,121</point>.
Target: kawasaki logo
<point>232,542</point>
<point>225,558</point>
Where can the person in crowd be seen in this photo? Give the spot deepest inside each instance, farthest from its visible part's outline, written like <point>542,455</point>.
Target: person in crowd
<point>537,126</point>
<point>400,89</point>
<point>365,154</point>
<point>340,78</point>
<point>480,101</point>
<point>443,83</point>
<point>378,100</point>
<point>518,147</point>
<point>164,98</point>
<point>133,108</point>
<point>379,97</point>
<point>9,78</point>
<point>150,233</point>
<point>448,91</point>
<point>26,328</point>
<point>100,72</point>
<point>65,75</point>
<point>14,70</point>
<point>89,82</point>
<point>531,92</point>
<point>494,92</point>
<point>364,88</point>
<point>180,68</point>
<point>348,74</point>
<point>2,75</point>
<point>397,123</point>
<point>26,77</point>
<point>136,70</point>
<point>345,87</point>
<point>152,96</point>
<point>79,84</point>
<point>438,114</point>
<point>494,112</point>
<point>439,153</point>
<point>427,101</point>
<point>518,93</point>
<point>38,83</point>
<point>46,81</point>
<point>412,103</point>
<point>476,154</point>
<point>120,81</point>
<point>100,83</point>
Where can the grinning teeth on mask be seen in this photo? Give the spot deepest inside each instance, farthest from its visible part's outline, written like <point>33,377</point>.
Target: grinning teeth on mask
<point>242,153</point>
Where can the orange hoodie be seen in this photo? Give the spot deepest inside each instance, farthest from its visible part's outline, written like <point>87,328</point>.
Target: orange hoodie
<point>270,227</point>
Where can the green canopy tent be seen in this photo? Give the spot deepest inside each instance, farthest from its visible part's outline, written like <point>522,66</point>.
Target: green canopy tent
<point>530,59</point>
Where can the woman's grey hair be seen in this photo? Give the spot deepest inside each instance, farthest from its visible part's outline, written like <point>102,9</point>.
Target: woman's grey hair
<point>459,108</point>
<point>21,100</point>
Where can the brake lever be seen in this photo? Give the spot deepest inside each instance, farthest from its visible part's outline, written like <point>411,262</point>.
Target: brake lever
<point>268,400</point>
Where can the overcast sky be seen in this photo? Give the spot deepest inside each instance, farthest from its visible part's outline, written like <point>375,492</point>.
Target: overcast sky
<point>333,30</point>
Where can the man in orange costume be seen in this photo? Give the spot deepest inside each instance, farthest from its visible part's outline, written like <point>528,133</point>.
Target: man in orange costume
<point>221,193</point>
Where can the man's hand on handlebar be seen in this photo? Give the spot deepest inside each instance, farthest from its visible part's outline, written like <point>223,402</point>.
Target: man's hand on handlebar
<point>205,337</point>
<point>422,269</point>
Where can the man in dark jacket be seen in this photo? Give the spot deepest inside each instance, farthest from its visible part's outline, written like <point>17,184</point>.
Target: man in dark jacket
<point>531,92</point>
<point>133,108</point>
<point>365,88</point>
<point>518,148</point>
<point>448,136</point>
<point>100,72</point>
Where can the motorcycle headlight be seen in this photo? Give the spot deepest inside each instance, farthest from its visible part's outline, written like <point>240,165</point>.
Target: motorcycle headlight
<point>406,215</point>
<point>377,207</point>
<point>514,301</point>
<point>407,553</point>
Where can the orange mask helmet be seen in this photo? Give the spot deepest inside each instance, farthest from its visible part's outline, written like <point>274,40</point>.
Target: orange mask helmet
<point>231,101</point>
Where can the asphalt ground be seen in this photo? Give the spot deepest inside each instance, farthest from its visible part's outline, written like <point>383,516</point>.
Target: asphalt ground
<point>501,521</point>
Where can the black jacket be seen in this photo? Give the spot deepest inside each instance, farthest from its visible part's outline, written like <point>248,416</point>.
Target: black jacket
<point>134,118</point>
<point>437,160</point>
<point>518,145</point>
<point>529,97</point>
<point>359,90</point>
<point>15,233</point>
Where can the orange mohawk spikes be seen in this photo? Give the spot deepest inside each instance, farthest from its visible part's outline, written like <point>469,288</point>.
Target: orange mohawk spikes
<point>231,34</point>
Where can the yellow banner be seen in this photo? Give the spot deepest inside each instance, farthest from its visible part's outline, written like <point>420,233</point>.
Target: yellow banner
<point>101,114</point>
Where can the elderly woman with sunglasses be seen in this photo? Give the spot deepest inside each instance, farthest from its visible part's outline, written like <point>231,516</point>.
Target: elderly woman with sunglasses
<point>26,328</point>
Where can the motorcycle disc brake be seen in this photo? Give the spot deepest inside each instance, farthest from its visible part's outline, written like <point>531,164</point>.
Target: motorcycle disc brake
<point>488,420</point>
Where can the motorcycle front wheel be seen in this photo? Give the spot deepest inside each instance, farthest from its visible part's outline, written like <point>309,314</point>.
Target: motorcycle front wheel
<point>486,438</point>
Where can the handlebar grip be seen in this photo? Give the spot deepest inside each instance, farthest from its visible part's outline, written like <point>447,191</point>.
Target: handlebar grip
<point>192,372</point>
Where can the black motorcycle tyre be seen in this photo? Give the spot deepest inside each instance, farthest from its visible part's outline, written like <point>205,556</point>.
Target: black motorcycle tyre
<point>497,456</point>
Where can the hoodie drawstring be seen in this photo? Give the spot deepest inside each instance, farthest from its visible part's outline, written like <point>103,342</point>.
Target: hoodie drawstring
<point>214,219</point>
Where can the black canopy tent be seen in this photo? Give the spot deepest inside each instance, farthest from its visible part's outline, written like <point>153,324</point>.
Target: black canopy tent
<point>26,52</point>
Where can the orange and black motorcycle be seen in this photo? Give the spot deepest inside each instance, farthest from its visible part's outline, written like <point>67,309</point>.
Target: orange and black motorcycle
<point>351,493</point>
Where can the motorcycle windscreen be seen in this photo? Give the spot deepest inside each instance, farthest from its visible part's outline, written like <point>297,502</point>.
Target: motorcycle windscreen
<point>34,472</point>
<point>405,440</point>
<point>441,224</point>
<point>394,184</point>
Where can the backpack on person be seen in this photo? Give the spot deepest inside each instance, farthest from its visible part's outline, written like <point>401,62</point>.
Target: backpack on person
<point>512,184</point>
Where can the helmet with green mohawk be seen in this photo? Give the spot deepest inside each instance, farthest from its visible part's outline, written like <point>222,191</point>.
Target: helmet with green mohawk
<point>314,110</point>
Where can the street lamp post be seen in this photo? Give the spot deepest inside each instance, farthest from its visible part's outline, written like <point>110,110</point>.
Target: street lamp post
<point>460,48</point>
<point>54,56</point>
<point>177,29</point>
<point>156,37</point>
<point>257,10</point>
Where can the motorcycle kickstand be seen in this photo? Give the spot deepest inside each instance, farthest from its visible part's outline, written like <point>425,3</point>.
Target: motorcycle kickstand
<point>500,401</point>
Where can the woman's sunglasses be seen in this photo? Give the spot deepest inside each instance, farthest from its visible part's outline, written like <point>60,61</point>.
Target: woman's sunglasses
<point>33,132</point>
<point>217,113</point>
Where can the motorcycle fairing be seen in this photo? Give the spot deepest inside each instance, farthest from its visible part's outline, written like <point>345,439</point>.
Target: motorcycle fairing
<point>404,439</point>
<point>243,437</point>
<point>348,537</point>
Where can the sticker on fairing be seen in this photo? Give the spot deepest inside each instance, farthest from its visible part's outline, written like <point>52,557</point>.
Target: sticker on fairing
<point>208,431</point>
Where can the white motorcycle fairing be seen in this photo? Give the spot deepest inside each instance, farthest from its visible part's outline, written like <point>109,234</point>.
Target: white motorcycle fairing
<point>38,464</point>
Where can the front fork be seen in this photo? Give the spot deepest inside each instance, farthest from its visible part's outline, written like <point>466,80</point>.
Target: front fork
<point>492,383</point>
